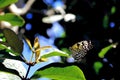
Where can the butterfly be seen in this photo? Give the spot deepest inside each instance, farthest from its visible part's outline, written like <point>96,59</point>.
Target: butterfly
<point>80,49</point>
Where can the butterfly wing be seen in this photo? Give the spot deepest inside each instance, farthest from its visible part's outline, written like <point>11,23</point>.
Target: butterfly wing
<point>80,49</point>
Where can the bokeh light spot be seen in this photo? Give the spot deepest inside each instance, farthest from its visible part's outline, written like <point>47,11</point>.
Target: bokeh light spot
<point>112,24</point>
<point>29,15</point>
<point>28,26</point>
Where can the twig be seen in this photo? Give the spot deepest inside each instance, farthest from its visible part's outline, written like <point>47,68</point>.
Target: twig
<point>28,71</point>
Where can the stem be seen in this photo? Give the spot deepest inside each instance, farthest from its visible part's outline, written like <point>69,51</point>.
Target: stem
<point>27,71</point>
<point>32,57</point>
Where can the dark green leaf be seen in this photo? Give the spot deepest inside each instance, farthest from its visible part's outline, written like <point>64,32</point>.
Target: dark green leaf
<point>3,46</point>
<point>61,73</point>
<point>5,55</point>
<point>4,3</point>
<point>106,21</point>
<point>55,53</point>
<point>13,19</point>
<point>13,41</point>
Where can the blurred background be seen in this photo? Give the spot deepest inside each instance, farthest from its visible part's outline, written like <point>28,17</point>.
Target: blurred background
<point>65,22</point>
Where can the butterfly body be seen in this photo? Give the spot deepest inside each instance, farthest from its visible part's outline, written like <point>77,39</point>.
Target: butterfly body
<point>80,49</point>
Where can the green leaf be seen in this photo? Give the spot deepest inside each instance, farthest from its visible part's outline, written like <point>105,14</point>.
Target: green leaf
<point>106,21</point>
<point>4,3</point>
<point>97,66</point>
<point>113,9</point>
<point>102,53</point>
<point>61,73</point>
<point>13,41</point>
<point>2,47</point>
<point>55,53</point>
<point>4,55</point>
<point>13,19</point>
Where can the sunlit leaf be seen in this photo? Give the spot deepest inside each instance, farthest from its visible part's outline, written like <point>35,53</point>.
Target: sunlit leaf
<point>4,3</point>
<point>45,47</point>
<point>61,73</point>
<point>97,66</point>
<point>5,54</point>
<point>37,49</point>
<point>4,69</point>
<point>66,50</point>
<point>37,54</point>
<point>1,34</point>
<point>113,9</point>
<point>29,43</point>
<point>8,76</point>
<point>42,59</point>
<point>13,41</point>
<point>16,65</point>
<point>7,49</point>
<point>55,53</point>
<point>36,44</point>
<point>13,19</point>
<point>102,53</point>
<point>2,47</point>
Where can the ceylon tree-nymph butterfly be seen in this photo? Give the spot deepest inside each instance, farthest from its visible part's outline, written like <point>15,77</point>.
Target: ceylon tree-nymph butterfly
<point>80,49</point>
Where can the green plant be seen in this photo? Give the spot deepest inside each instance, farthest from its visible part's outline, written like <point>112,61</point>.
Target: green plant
<point>16,47</point>
<point>11,48</point>
<point>13,19</point>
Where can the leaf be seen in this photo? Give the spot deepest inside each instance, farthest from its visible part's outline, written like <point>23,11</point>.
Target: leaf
<point>13,19</point>
<point>8,76</point>
<point>4,69</point>
<point>2,47</point>
<point>29,43</point>
<point>97,66</point>
<point>102,53</point>
<point>113,9</point>
<point>61,73</point>
<point>36,47</point>
<point>13,41</point>
<point>15,65</point>
<point>36,44</point>
<point>4,3</point>
<point>4,55</point>
<point>106,21</point>
<point>55,53</point>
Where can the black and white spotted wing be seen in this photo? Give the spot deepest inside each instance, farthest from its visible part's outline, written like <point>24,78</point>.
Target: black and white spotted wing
<point>80,49</point>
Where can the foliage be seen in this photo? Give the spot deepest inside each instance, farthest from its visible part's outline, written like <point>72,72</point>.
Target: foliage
<point>61,73</point>
<point>4,3</point>
<point>102,53</point>
<point>11,47</point>
<point>13,19</point>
